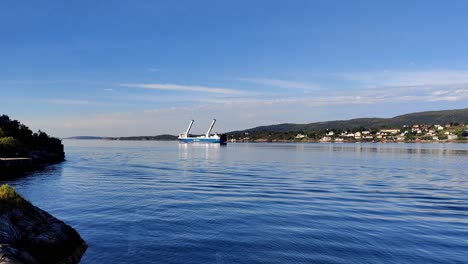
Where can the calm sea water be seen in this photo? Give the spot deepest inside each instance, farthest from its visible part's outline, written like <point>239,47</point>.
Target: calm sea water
<point>163,202</point>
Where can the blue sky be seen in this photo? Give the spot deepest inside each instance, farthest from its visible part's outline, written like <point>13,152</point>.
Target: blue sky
<point>119,68</point>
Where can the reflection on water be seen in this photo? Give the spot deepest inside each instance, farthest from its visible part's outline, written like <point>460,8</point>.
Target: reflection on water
<point>165,202</point>
<point>211,150</point>
<point>438,149</point>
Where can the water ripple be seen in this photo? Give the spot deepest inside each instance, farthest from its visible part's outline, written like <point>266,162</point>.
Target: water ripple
<point>154,202</point>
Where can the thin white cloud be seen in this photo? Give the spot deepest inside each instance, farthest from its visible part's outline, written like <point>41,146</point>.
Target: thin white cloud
<point>153,69</point>
<point>374,95</point>
<point>358,96</point>
<point>370,94</point>
<point>238,112</point>
<point>406,78</point>
<point>177,87</point>
<point>281,83</point>
<point>109,90</point>
<point>454,94</point>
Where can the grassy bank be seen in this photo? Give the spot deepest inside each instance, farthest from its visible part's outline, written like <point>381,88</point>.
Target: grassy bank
<point>10,198</point>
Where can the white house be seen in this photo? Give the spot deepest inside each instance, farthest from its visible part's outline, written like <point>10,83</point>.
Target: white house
<point>357,135</point>
<point>299,136</point>
<point>390,130</point>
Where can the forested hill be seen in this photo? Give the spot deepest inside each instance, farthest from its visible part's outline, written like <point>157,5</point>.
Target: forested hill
<point>17,140</point>
<point>430,117</point>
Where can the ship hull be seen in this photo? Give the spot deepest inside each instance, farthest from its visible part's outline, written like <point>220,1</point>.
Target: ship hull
<point>219,140</point>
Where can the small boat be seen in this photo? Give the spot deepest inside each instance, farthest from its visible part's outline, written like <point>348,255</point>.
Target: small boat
<point>207,138</point>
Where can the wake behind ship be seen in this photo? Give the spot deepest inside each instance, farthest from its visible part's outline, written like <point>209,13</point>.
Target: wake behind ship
<point>207,138</point>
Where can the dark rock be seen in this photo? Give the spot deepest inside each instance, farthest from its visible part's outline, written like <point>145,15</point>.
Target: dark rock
<point>31,235</point>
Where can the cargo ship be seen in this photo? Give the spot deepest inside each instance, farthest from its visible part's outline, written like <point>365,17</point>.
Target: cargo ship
<point>207,138</point>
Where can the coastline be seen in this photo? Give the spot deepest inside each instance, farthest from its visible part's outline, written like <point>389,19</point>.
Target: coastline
<point>341,142</point>
<point>19,166</point>
<point>300,141</point>
<point>425,141</point>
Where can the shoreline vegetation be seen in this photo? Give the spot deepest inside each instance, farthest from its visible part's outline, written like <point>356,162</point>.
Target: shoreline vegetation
<point>22,150</point>
<point>416,133</point>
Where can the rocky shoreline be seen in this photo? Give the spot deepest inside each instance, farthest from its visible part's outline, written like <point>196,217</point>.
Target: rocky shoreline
<point>27,233</point>
<point>17,166</point>
<point>31,235</point>
<point>12,166</point>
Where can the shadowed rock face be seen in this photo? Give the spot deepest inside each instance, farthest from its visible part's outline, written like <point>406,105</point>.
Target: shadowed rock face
<point>31,235</point>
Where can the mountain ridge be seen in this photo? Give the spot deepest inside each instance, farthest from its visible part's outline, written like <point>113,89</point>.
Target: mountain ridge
<point>426,117</point>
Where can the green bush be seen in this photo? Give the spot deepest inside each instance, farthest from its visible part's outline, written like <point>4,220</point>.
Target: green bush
<point>8,193</point>
<point>17,139</point>
<point>9,142</point>
<point>10,198</point>
<point>9,146</point>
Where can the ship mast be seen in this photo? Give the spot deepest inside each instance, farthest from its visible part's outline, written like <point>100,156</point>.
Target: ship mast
<point>211,127</point>
<point>188,128</point>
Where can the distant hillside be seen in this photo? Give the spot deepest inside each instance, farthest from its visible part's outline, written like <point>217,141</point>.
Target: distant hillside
<point>85,138</point>
<point>160,137</point>
<point>430,117</point>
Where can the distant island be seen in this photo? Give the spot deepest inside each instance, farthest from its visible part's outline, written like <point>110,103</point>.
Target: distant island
<point>159,137</point>
<point>85,138</point>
